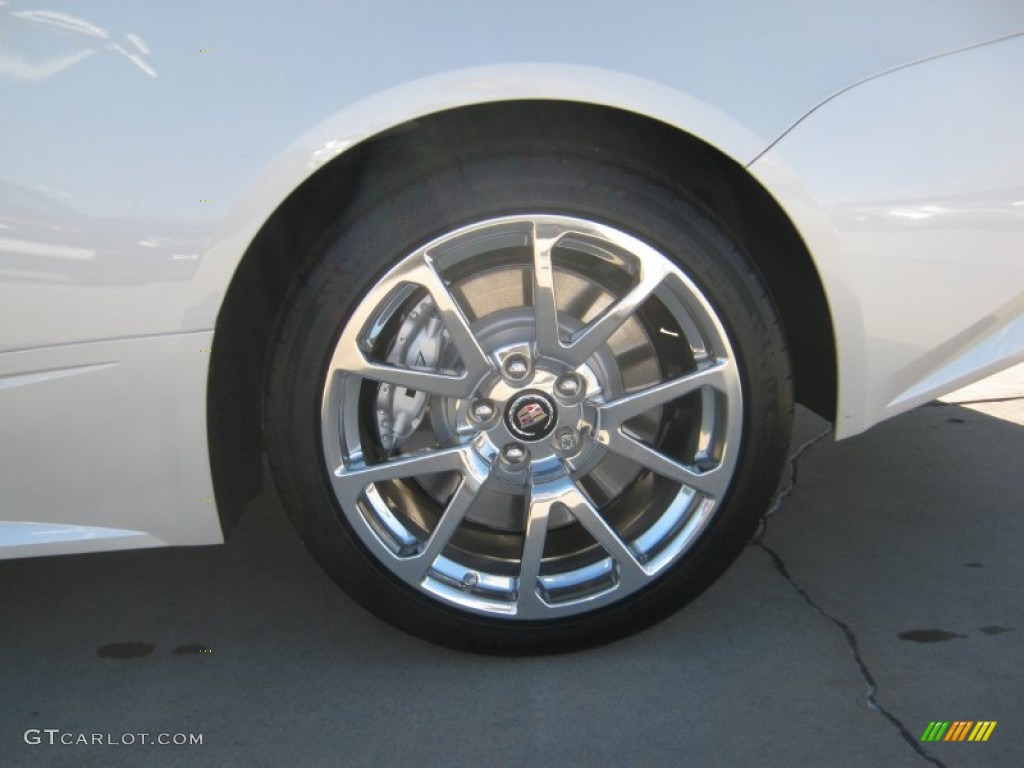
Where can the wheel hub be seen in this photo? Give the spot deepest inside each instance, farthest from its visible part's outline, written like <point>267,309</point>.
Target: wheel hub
<point>531,415</point>
<point>529,431</point>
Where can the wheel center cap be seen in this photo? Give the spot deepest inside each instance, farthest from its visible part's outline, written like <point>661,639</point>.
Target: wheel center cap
<point>531,415</point>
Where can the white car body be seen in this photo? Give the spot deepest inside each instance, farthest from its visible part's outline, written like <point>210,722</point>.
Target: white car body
<point>143,147</point>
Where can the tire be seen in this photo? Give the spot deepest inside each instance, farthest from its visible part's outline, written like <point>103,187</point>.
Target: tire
<point>526,401</point>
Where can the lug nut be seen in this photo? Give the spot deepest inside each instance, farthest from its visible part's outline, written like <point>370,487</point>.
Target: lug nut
<point>482,410</point>
<point>567,440</point>
<point>516,366</point>
<point>569,385</point>
<point>514,454</point>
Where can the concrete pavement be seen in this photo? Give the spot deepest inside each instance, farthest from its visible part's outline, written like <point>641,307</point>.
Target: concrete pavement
<point>884,593</point>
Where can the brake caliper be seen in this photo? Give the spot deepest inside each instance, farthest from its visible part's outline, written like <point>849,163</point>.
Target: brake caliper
<point>419,344</point>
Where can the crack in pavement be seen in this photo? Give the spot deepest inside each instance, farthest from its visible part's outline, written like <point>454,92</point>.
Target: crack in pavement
<point>851,641</point>
<point>851,638</point>
<point>790,484</point>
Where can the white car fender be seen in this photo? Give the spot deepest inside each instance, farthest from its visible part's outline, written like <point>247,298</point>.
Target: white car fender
<point>901,189</point>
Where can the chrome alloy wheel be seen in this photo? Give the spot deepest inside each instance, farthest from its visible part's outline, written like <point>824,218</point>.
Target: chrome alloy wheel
<point>531,417</point>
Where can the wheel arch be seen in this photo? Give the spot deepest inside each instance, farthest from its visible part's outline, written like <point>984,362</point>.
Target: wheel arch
<point>259,286</point>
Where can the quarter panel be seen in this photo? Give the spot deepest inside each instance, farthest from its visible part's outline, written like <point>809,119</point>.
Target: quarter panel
<point>909,190</point>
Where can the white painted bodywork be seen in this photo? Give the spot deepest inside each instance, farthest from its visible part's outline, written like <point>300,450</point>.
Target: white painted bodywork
<point>909,192</point>
<point>143,146</point>
<point>104,443</point>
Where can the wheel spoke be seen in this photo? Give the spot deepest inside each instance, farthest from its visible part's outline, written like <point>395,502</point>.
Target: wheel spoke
<point>630,570</point>
<point>544,307</point>
<point>529,603</point>
<point>473,356</point>
<point>564,491</point>
<point>350,482</point>
<point>588,340</point>
<point>445,385</point>
<point>415,567</point>
<point>711,482</point>
<point>620,410</point>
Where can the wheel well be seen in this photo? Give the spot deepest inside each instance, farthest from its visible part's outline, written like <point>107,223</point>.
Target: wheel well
<point>275,257</point>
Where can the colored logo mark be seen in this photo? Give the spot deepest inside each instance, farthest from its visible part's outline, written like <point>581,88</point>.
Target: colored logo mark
<point>959,730</point>
<point>529,415</point>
